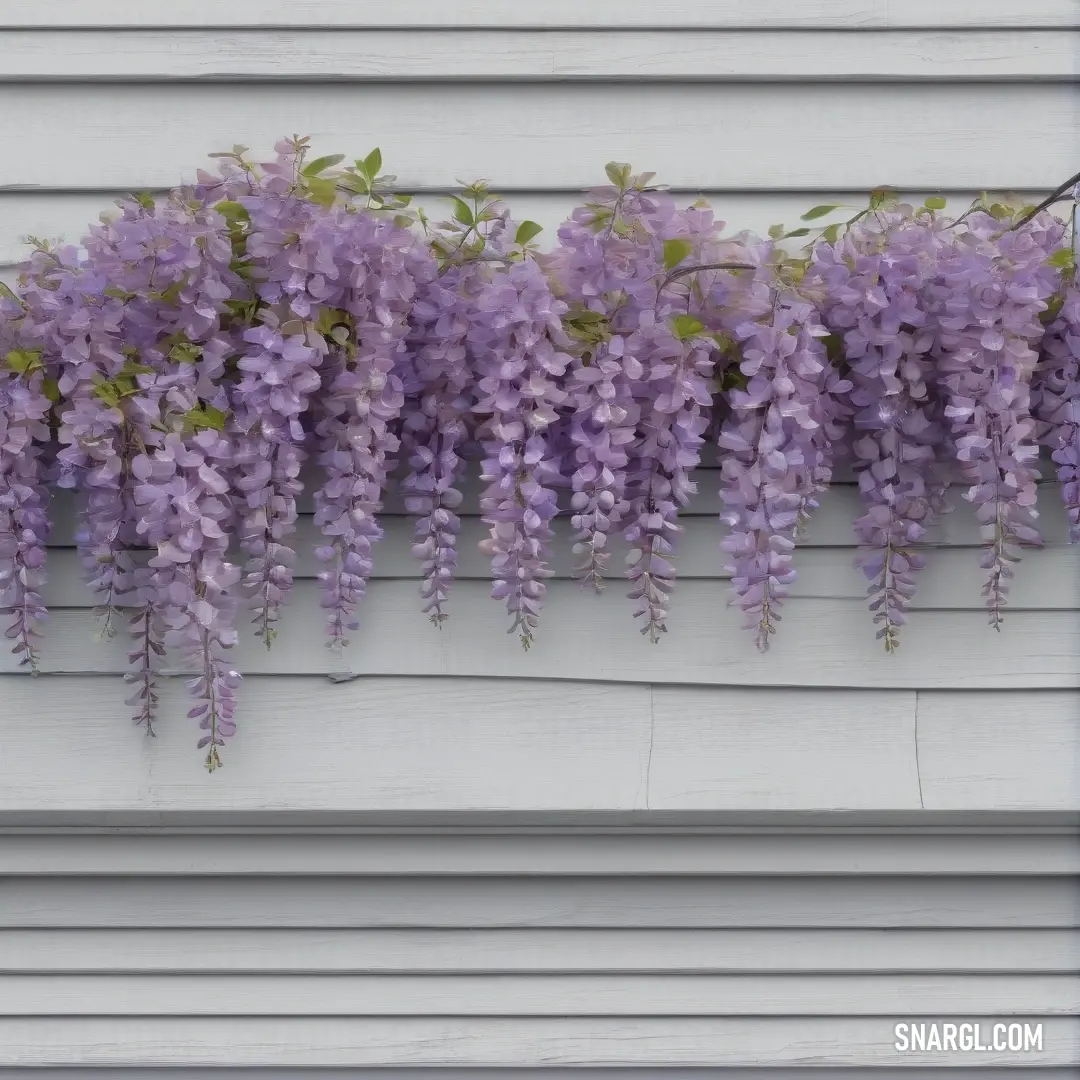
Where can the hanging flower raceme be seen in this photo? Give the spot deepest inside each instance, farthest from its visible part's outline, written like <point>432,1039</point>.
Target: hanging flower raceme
<point>441,389</point>
<point>1057,400</point>
<point>992,285</point>
<point>280,328</point>
<point>872,281</point>
<point>27,391</point>
<point>779,437</point>
<point>520,349</point>
<point>157,372</point>
<point>357,419</point>
<point>603,260</point>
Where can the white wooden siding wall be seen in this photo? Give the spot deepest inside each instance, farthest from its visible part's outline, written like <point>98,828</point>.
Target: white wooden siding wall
<point>439,851</point>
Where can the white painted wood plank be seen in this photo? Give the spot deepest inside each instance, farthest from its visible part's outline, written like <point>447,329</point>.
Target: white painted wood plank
<point>1021,749</point>
<point>823,643</point>
<point>558,136</point>
<point>462,745</point>
<point>445,744</point>
<point>65,215</point>
<point>744,748</point>
<point>798,901</point>
<point>708,751</point>
<point>549,995</point>
<point>885,1072</point>
<point>514,56</point>
<point>634,854</point>
<point>494,1041</point>
<point>810,14</point>
<point>492,951</point>
<point>380,745</point>
<point>1047,579</point>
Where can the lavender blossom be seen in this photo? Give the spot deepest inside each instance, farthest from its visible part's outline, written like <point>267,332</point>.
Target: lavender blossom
<point>992,286</point>
<point>519,347</point>
<point>1057,401</point>
<point>777,457</point>
<point>873,280</point>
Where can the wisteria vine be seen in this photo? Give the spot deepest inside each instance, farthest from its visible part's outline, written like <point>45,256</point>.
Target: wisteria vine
<point>201,356</point>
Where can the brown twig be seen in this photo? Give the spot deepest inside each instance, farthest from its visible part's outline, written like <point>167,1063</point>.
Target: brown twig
<point>1050,199</point>
<point>684,270</point>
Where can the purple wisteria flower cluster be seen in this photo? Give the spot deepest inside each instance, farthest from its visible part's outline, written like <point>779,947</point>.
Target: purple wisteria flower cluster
<point>296,337</point>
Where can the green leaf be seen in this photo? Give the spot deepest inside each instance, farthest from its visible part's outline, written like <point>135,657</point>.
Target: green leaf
<point>356,183</point>
<point>328,318</point>
<point>117,293</point>
<point>462,211</point>
<point>51,389</point>
<point>882,198</point>
<point>372,164</point>
<point>776,231</point>
<point>934,202</point>
<point>819,211</point>
<point>832,233</point>
<point>618,172</point>
<point>132,368</point>
<point>24,361</point>
<point>5,291</point>
<point>685,326</point>
<point>185,353</point>
<point>477,190</point>
<point>675,252</point>
<point>526,231</point>
<point>321,164</point>
<point>1063,259</point>
<point>144,199</point>
<point>834,348</point>
<point>106,391</point>
<point>795,232</point>
<point>323,191</point>
<point>243,309</point>
<point>205,417</point>
<point>232,211</point>
<point>601,216</point>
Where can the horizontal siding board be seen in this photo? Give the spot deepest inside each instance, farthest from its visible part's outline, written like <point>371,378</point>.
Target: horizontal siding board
<point>492,1041</point>
<point>873,902</point>
<point>66,215</point>
<point>633,854</point>
<point>559,135</point>
<point>444,744</point>
<point>372,14</point>
<point>1025,756</point>
<point>783,950</point>
<point>514,56</point>
<point>539,995</point>
<point>1011,742</point>
<point>460,745</point>
<point>541,1072</point>
<point>594,637</point>
<point>530,1072</point>
<point>1046,580</point>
